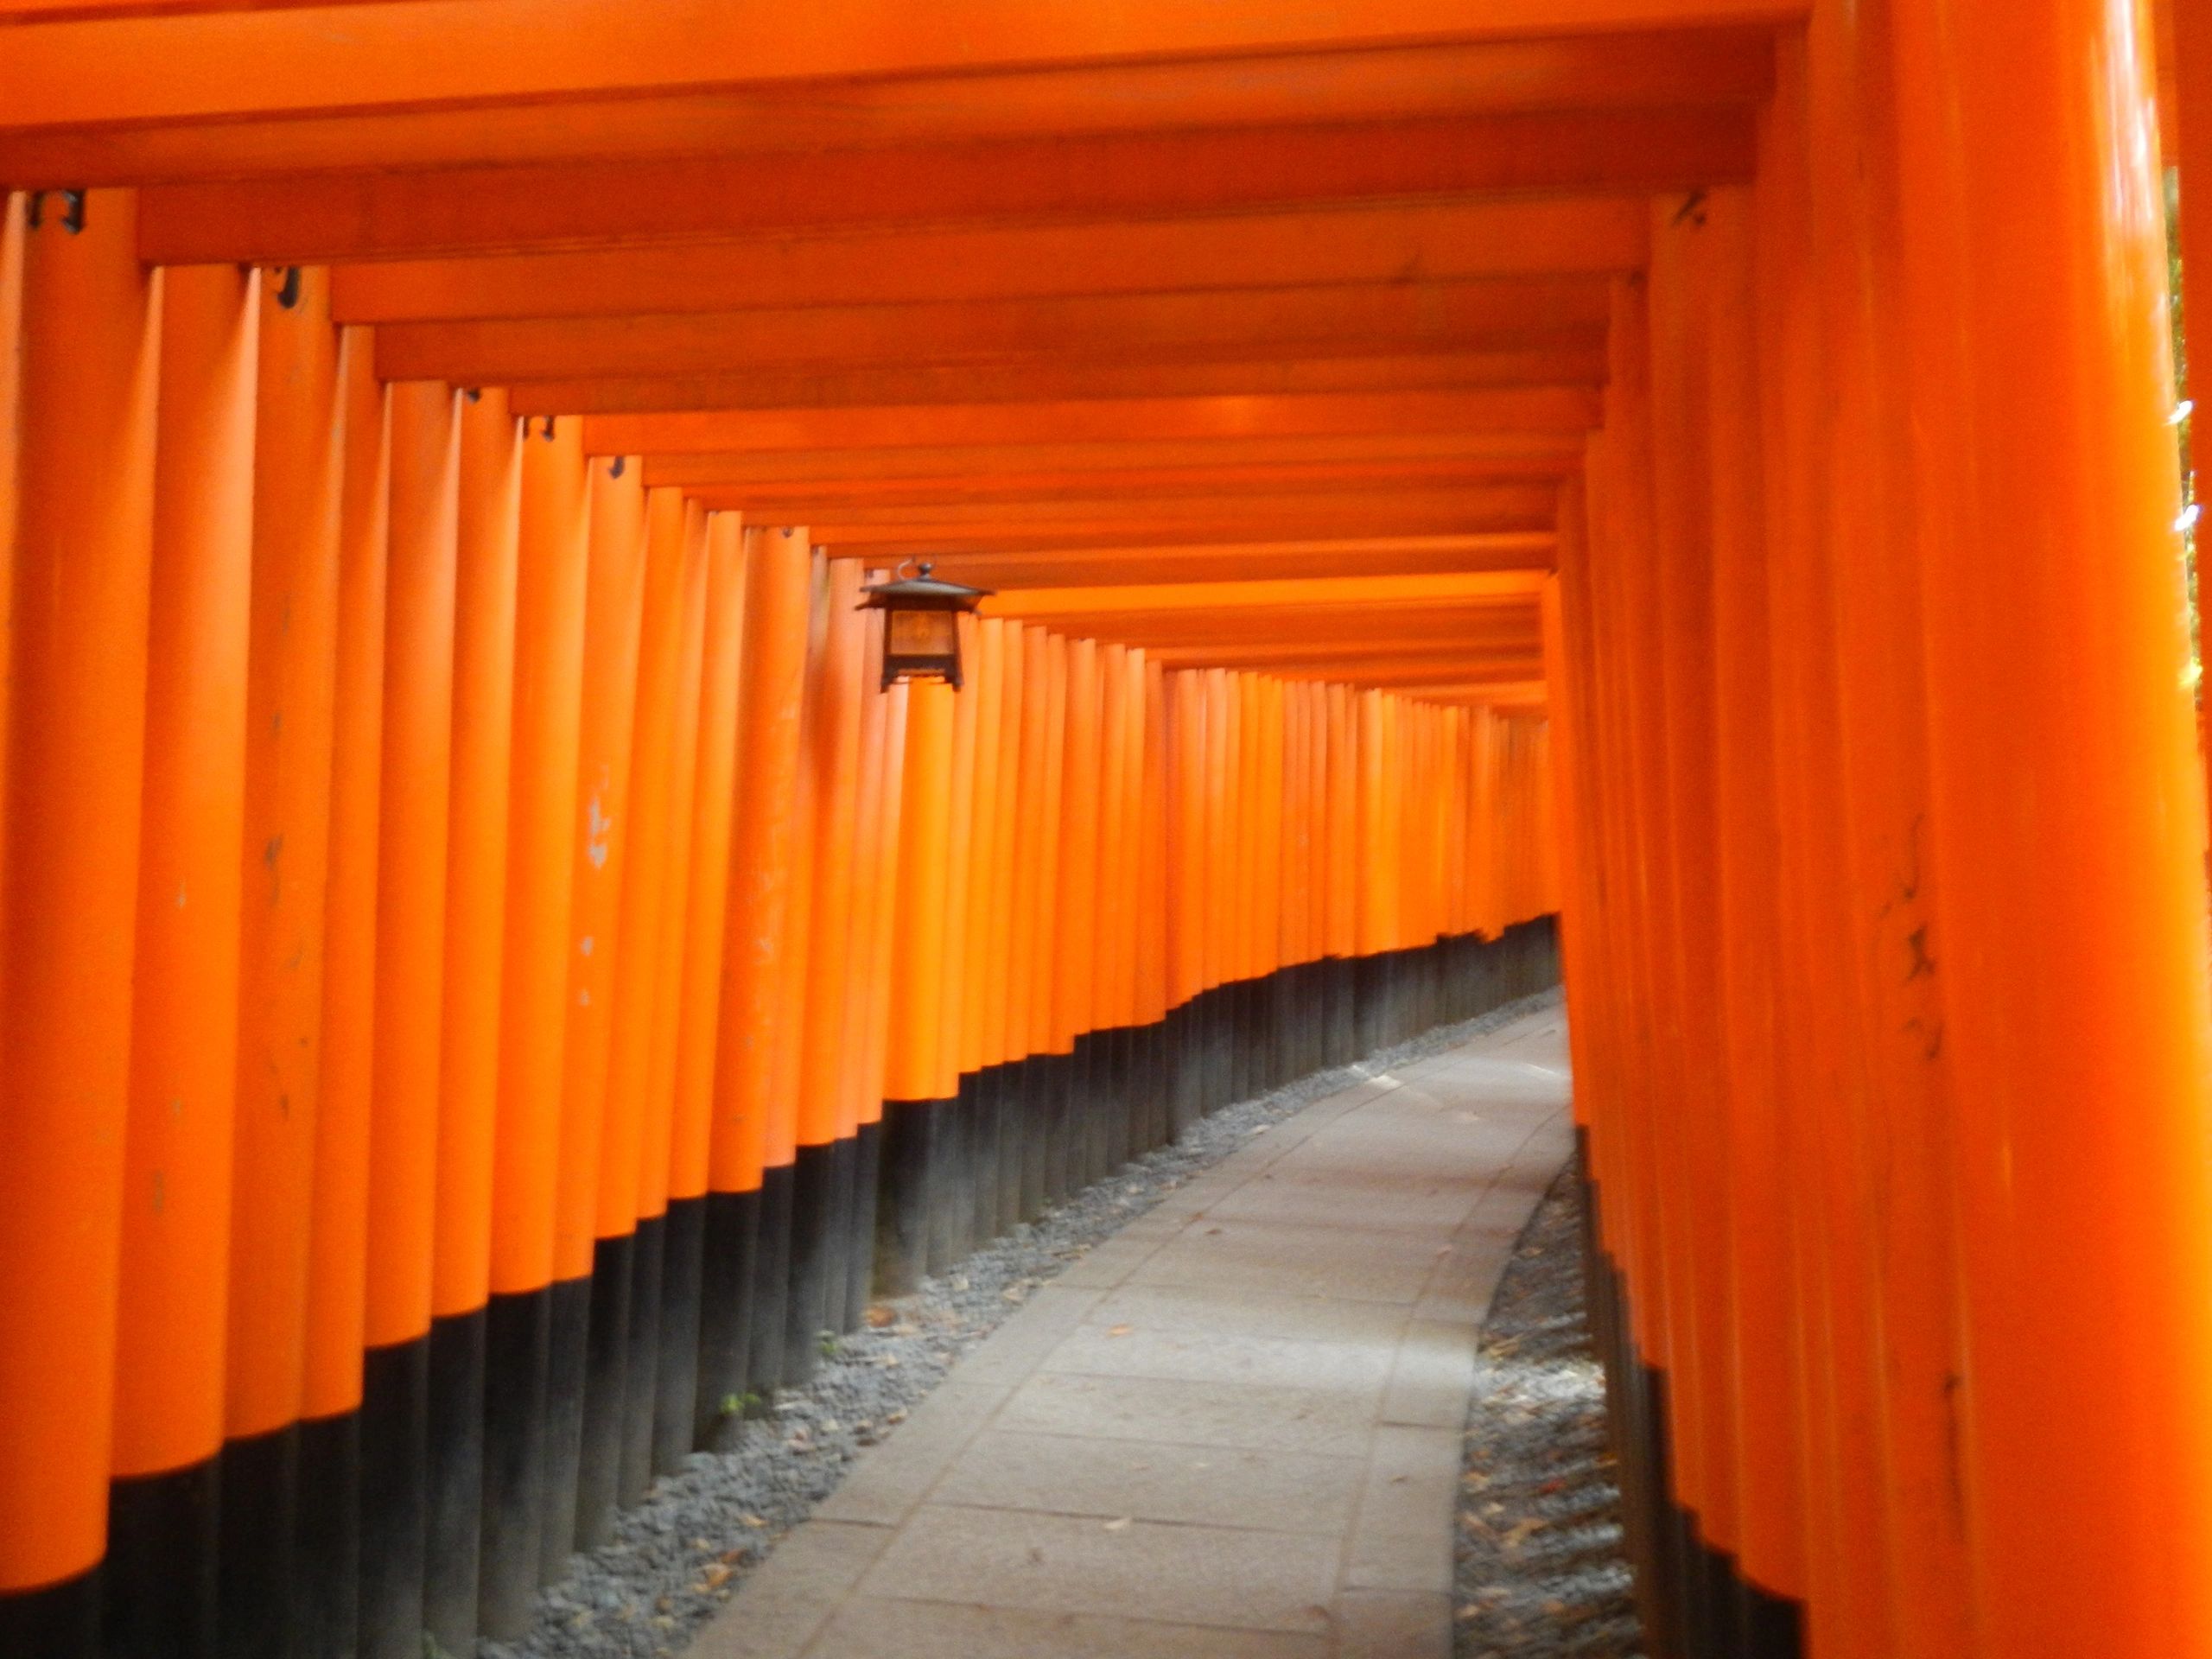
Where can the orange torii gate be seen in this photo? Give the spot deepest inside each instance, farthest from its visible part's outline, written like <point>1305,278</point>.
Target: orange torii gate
<point>488,972</point>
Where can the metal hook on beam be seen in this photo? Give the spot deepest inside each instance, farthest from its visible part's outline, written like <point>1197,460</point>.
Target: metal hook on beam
<point>72,209</point>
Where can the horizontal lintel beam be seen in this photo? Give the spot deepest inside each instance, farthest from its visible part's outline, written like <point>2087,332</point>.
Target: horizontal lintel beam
<point>1066,177</point>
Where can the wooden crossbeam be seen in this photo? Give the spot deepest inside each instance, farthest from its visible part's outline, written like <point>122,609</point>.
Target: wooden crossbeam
<point>976,463</point>
<point>432,58</point>
<point>1517,410</point>
<point>1406,243</point>
<point>904,383</point>
<point>1241,323</point>
<point>1069,177</point>
<point>1230,561</point>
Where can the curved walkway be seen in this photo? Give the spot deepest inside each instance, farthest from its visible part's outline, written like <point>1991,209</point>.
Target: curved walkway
<point>1231,1432</point>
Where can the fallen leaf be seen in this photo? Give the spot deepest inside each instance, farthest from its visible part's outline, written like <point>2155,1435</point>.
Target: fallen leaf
<point>1120,1330</point>
<point>712,1579</point>
<point>1117,1526</point>
<point>880,1316</point>
<point>1520,1532</point>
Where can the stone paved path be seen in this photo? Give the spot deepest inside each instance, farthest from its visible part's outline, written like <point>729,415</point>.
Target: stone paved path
<point>1231,1432</point>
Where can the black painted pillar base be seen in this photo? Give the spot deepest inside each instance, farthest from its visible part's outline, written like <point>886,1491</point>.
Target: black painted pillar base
<point>1086,1148</point>
<point>160,1575</point>
<point>837,1254</point>
<point>256,1522</point>
<point>456,1462</point>
<point>1036,1152</point>
<point>860,1249</point>
<point>1059,1113</point>
<point>517,1335</point>
<point>902,1227</point>
<point>1129,1117</point>
<point>1007,1119</point>
<point>567,1365</point>
<point>952,1179</point>
<point>728,1271</point>
<point>641,1371</point>
<point>771,1285</point>
<point>395,1481</point>
<point>980,1175</point>
<point>61,1619</point>
<point>1695,1600</point>
<point>675,1378</point>
<point>599,1455</point>
<point>1221,1048</point>
<point>813,1169</point>
<point>327,1563</point>
<point>1186,1075</point>
<point>1284,1032</point>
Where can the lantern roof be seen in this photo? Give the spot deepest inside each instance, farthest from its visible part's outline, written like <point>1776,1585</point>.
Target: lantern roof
<point>922,592</point>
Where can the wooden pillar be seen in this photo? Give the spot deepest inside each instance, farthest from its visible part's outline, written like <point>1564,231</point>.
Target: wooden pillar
<point>615,1349</point>
<point>488,502</point>
<point>868,1176</point>
<point>328,1567</point>
<point>174,1276</point>
<point>286,842</point>
<point>1765,1431</point>
<point>820,1168</point>
<point>2067,829</point>
<point>648,993</point>
<point>861,1093</point>
<point>919,1083</point>
<point>763,827</point>
<point>77,705</point>
<point>409,1000</point>
<point>1025,990</point>
<point>702,1344</point>
<point>553,531</point>
<point>577,1366</point>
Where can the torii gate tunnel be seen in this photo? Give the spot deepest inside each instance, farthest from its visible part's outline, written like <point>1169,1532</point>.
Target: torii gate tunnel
<point>1687,489</point>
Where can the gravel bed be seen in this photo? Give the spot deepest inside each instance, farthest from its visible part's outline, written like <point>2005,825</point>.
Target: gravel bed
<point>1540,1571</point>
<point>677,1558</point>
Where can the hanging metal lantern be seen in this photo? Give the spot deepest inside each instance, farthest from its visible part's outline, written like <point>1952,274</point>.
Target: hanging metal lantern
<point>921,625</point>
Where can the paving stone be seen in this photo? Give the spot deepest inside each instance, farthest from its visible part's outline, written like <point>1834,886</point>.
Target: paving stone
<point>794,1592</point>
<point>1297,1196</point>
<point>1402,1538</point>
<point>876,1628</point>
<point>1128,1349</point>
<point>1180,1574</point>
<point>1017,1348</point>
<point>1355,1264</point>
<point>896,1476</point>
<point>1244,1312</point>
<point>1324,1423</point>
<point>1431,1374</point>
<point>1394,1624</point>
<point>1203,1485</point>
